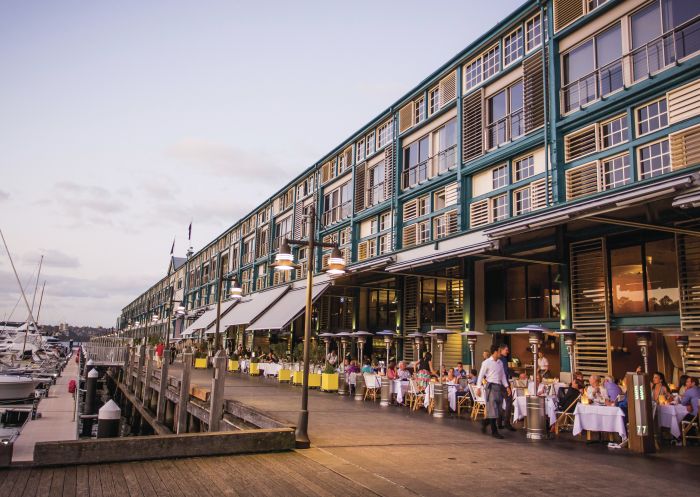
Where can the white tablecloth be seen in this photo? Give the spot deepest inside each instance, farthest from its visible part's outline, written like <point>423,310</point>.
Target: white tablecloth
<point>400,387</point>
<point>520,408</point>
<point>599,418</point>
<point>269,368</point>
<point>244,364</point>
<point>670,416</point>
<point>451,395</point>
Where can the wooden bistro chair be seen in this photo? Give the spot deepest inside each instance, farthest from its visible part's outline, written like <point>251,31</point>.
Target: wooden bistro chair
<point>565,418</point>
<point>479,405</point>
<point>687,427</point>
<point>414,397</point>
<point>371,386</point>
<point>464,401</point>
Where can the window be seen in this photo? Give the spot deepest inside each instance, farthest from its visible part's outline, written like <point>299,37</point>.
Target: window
<point>614,132</point>
<point>385,133</point>
<point>518,292</point>
<point>361,150</point>
<point>371,145</point>
<point>384,245</point>
<point>376,184</point>
<point>439,200</point>
<point>373,227</point>
<point>651,117</point>
<point>505,115</point>
<point>661,35</point>
<point>445,140</point>
<point>439,227</point>
<point>616,171</point>
<point>415,159</point>
<point>593,69</point>
<point>384,221</point>
<point>512,47</point>
<point>433,301</point>
<point>644,278</point>
<point>654,159</point>
<point>382,309</point>
<point>337,204</point>
<point>423,206</point>
<point>419,109</point>
<point>423,232</point>
<point>533,33</point>
<point>434,100</point>
<point>522,201</point>
<point>500,177</point>
<point>482,68</point>
<point>524,168</point>
<point>499,208</point>
<point>594,4</point>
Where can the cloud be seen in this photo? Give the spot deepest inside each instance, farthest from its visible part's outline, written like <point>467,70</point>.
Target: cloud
<point>4,196</point>
<point>84,204</point>
<point>219,159</point>
<point>52,258</point>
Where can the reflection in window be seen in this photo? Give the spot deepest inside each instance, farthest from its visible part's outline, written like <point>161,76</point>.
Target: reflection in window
<point>518,292</point>
<point>433,301</point>
<point>627,280</point>
<point>382,310</point>
<point>662,282</point>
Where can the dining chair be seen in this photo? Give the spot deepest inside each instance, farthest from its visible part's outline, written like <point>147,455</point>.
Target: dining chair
<point>565,418</point>
<point>479,405</point>
<point>687,427</point>
<point>371,386</point>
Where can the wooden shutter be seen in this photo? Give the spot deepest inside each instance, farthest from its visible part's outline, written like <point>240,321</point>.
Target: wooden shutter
<point>479,213</point>
<point>538,194</point>
<point>472,126</point>
<point>685,147</point>
<point>566,12</point>
<point>410,210</point>
<point>590,314</point>
<point>688,250</point>
<point>581,143</point>
<point>448,88</point>
<point>684,102</point>
<point>406,116</point>
<point>451,194</point>
<point>583,180</point>
<point>363,250</point>
<point>347,153</point>
<point>533,92</point>
<point>360,186</point>
<point>298,218</point>
<point>411,319</point>
<point>389,171</point>
<point>409,235</point>
<point>326,171</point>
<point>324,260</point>
<point>451,222</point>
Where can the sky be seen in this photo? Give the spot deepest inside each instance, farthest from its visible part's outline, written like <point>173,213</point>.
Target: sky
<point>123,121</point>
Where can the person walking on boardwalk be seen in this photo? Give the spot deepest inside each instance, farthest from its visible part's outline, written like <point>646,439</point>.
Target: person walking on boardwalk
<point>496,386</point>
<point>159,354</point>
<point>507,413</point>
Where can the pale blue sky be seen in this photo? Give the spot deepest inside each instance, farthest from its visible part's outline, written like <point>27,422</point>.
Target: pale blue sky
<point>122,120</point>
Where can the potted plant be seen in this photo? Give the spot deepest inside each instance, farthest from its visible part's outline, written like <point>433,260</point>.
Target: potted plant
<point>316,356</point>
<point>254,369</point>
<point>329,379</point>
<point>298,357</point>
<point>200,356</point>
<point>284,374</point>
<point>233,362</point>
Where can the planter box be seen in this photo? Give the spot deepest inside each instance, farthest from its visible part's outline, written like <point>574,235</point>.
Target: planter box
<point>254,369</point>
<point>284,375</point>
<point>314,380</point>
<point>297,378</point>
<point>201,363</point>
<point>232,365</point>
<point>329,382</point>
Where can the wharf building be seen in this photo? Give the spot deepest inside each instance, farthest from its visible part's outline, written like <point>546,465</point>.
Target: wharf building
<point>548,173</point>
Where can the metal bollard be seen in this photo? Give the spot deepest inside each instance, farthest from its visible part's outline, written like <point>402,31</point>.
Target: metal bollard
<point>359,386</point>
<point>386,392</point>
<point>108,419</point>
<point>90,400</point>
<point>439,400</point>
<point>6,449</point>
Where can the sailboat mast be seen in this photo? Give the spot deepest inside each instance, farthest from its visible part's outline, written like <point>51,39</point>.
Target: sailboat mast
<point>41,299</point>
<point>36,283</point>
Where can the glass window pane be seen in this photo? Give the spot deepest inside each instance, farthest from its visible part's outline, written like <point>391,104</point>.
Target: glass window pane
<point>676,12</point>
<point>538,297</point>
<point>608,46</point>
<point>428,301</point>
<point>515,293</point>
<point>662,279</point>
<point>554,304</point>
<point>578,62</point>
<point>646,25</point>
<point>495,294</point>
<point>627,280</point>
<point>497,107</point>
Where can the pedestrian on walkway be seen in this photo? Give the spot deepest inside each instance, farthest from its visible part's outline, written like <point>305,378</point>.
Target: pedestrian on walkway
<point>496,386</point>
<point>159,354</point>
<point>173,353</point>
<point>507,414</point>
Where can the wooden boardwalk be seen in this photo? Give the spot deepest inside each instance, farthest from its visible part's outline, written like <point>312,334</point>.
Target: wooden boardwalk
<point>272,475</point>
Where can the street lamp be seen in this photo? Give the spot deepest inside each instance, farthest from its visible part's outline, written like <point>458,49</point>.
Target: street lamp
<point>284,261</point>
<point>643,342</point>
<point>472,337</point>
<point>388,338</point>
<point>569,337</point>
<point>236,294</point>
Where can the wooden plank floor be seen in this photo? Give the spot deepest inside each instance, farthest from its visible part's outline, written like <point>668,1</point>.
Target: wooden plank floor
<point>273,475</point>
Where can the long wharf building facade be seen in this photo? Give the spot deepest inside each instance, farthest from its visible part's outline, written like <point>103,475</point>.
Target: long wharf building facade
<point>549,173</point>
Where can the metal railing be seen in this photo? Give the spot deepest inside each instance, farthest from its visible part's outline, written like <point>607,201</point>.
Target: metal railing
<point>337,213</point>
<point>115,354</point>
<point>375,195</point>
<point>432,166</point>
<point>655,56</point>
<point>506,129</point>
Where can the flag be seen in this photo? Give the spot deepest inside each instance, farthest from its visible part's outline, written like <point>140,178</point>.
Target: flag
<point>189,232</point>
<point>172,249</point>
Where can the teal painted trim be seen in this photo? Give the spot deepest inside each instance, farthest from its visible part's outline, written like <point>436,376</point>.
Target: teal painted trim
<point>650,319</point>
<point>510,187</point>
<point>460,86</point>
<point>428,185</point>
<point>492,158</point>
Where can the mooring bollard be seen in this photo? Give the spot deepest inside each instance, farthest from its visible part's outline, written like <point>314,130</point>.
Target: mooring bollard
<point>89,366</point>
<point>184,393</point>
<point>108,418</point>
<point>216,403</point>
<point>90,399</point>
<point>386,392</point>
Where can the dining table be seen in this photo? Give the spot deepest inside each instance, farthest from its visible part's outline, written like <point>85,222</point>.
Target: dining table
<point>670,416</point>
<point>593,417</point>
<point>520,408</point>
<point>451,394</point>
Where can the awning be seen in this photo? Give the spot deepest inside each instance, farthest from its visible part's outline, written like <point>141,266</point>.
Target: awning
<point>252,306</point>
<point>469,244</point>
<point>580,210</point>
<point>287,309</point>
<point>687,200</point>
<point>371,264</point>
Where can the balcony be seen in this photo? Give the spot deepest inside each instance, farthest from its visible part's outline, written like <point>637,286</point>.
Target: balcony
<point>654,57</point>
<point>432,166</point>
<point>336,214</point>
<point>506,129</point>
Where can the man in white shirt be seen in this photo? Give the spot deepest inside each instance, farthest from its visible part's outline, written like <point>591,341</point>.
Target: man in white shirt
<point>495,389</point>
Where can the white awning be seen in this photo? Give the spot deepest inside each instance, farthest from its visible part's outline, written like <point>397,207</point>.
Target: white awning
<point>371,264</point>
<point>287,309</point>
<point>471,243</point>
<point>252,306</point>
<point>209,317</point>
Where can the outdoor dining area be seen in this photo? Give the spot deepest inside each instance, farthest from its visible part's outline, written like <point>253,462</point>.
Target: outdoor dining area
<point>593,408</point>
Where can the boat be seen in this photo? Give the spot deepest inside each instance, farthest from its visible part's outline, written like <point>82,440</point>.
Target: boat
<point>16,387</point>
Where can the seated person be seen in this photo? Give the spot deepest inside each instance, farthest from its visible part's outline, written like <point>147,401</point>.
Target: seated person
<point>450,377</point>
<point>403,373</point>
<point>690,398</point>
<point>367,366</point>
<point>273,358</point>
<point>352,367</point>
<point>660,392</point>
<point>595,391</point>
<point>681,384</point>
<point>570,396</point>
<point>612,388</point>
<point>472,376</point>
<point>542,365</point>
<point>579,376</point>
<point>542,388</point>
<point>460,372</point>
<point>391,371</point>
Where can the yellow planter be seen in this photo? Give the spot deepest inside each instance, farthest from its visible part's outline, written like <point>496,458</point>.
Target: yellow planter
<point>329,382</point>
<point>232,365</point>
<point>297,378</point>
<point>200,363</point>
<point>254,370</point>
<point>284,375</point>
<point>314,380</point>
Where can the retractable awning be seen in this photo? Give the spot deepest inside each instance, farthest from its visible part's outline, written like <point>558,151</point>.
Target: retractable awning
<point>251,307</point>
<point>369,265</point>
<point>286,309</point>
<point>610,202</point>
<point>469,244</point>
<point>197,323</point>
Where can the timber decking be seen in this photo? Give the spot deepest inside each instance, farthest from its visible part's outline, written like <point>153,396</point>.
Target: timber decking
<point>273,475</point>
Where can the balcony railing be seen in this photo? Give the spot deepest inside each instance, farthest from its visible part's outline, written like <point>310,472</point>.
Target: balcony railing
<point>432,166</point>
<point>505,129</point>
<point>337,213</point>
<point>656,56</point>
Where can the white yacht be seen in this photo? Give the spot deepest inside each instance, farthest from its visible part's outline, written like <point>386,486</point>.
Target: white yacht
<point>16,387</point>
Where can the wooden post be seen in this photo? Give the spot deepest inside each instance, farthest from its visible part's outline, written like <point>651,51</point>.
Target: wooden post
<point>216,403</point>
<point>160,415</point>
<point>146,396</point>
<point>139,372</point>
<point>184,393</point>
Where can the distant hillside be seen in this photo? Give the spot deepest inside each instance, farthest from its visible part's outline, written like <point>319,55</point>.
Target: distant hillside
<point>75,333</point>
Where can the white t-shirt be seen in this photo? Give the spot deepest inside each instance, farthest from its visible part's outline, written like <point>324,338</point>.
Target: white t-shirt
<point>543,363</point>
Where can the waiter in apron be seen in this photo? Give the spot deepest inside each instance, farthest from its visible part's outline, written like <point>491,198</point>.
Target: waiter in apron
<point>495,390</point>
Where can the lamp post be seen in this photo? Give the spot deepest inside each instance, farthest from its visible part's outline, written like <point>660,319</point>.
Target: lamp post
<point>643,342</point>
<point>569,337</point>
<point>472,337</point>
<point>388,338</point>
<point>326,337</point>
<point>236,294</point>
<point>284,261</point>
